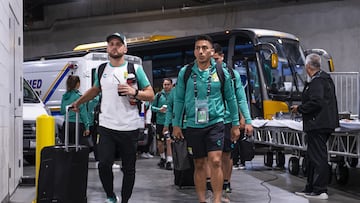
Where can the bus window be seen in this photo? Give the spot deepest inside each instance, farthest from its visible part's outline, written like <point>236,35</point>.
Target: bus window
<point>269,73</point>
<point>250,81</point>
<point>290,67</point>
<point>243,47</point>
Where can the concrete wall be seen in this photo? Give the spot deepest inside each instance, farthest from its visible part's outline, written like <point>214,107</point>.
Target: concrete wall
<point>332,25</point>
<point>11,54</point>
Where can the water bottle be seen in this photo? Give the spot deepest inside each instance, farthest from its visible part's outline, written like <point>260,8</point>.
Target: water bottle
<point>131,81</point>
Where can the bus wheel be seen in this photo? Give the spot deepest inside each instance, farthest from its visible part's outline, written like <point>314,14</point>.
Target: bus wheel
<point>341,174</point>
<point>280,159</point>
<point>293,166</point>
<point>268,159</point>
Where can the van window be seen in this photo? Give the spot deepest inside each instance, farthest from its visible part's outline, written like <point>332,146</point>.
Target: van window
<point>29,95</point>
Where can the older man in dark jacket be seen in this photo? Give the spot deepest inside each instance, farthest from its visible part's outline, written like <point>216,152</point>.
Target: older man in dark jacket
<point>320,118</point>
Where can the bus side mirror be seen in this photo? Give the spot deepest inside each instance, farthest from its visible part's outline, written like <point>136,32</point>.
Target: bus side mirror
<point>274,60</point>
<point>331,65</point>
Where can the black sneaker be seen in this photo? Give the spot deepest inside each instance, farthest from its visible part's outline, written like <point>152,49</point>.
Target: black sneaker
<point>168,166</point>
<point>208,186</point>
<point>161,163</point>
<point>228,188</point>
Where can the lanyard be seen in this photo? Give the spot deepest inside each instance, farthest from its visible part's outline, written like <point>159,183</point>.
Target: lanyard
<point>208,85</point>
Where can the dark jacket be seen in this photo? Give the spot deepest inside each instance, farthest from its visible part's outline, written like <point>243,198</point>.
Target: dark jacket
<point>319,105</point>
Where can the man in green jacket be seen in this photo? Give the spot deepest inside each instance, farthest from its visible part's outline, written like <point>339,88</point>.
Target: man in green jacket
<point>244,110</point>
<point>203,105</point>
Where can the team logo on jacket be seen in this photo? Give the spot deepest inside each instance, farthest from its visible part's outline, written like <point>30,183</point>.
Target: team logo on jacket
<point>214,77</point>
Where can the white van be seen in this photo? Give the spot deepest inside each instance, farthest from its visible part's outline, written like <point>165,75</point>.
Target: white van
<point>47,75</point>
<point>33,107</point>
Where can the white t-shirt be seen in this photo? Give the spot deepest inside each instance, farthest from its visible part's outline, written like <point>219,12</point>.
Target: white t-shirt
<point>116,111</point>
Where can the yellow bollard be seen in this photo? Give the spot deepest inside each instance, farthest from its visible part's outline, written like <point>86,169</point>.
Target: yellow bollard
<point>45,136</point>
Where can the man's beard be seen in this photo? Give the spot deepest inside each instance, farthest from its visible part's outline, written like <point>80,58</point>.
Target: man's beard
<point>116,56</point>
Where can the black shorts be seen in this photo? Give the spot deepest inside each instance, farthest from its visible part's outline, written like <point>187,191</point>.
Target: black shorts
<point>228,144</point>
<point>200,141</point>
<point>159,134</point>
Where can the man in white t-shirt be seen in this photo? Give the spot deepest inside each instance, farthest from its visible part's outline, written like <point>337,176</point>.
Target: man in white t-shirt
<point>119,117</point>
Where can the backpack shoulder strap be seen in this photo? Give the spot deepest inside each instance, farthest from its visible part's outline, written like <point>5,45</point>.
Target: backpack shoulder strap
<point>232,74</point>
<point>131,68</point>
<point>221,75</point>
<point>101,71</point>
<point>231,71</point>
<point>188,72</point>
<point>158,95</point>
<point>99,74</point>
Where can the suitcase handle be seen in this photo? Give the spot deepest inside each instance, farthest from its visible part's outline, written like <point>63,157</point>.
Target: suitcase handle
<point>69,108</point>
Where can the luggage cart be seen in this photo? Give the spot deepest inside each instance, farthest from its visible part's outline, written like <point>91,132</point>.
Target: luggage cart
<point>278,135</point>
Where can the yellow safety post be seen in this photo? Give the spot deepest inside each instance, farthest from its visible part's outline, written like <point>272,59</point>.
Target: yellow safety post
<point>45,136</point>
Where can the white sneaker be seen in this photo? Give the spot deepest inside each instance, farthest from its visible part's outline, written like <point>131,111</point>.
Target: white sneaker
<point>209,196</point>
<point>242,167</point>
<point>144,155</point>
<point>312,195</point>
<point>116,166</point>
<point>149,155</point>
<point>225,198</point>
<point>301,193</point>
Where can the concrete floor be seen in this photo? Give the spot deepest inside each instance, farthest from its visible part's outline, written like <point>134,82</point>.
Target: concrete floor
<point>257,184</point>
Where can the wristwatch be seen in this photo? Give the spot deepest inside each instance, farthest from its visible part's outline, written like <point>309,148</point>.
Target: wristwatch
<point>136,93</point>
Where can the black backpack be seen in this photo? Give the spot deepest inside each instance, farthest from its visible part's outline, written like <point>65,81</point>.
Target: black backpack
<point>153,113</point>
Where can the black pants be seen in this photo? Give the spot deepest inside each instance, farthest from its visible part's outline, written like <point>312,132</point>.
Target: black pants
<point>72,127</point>
<point>317,161</point>
<point>124,143</point>
<point>93,134</point>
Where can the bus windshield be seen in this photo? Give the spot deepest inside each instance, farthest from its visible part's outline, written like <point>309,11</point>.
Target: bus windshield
<point>290,74</point>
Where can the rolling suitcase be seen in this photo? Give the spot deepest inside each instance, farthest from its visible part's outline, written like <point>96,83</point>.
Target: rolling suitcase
<point>64,171</point>
<point>183,165</point>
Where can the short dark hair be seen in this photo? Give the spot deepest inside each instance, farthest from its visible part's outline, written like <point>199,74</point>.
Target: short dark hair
<point>218,49</point>
<point>71,82</point>
<point>204,37</point>
<point>168,79</point>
